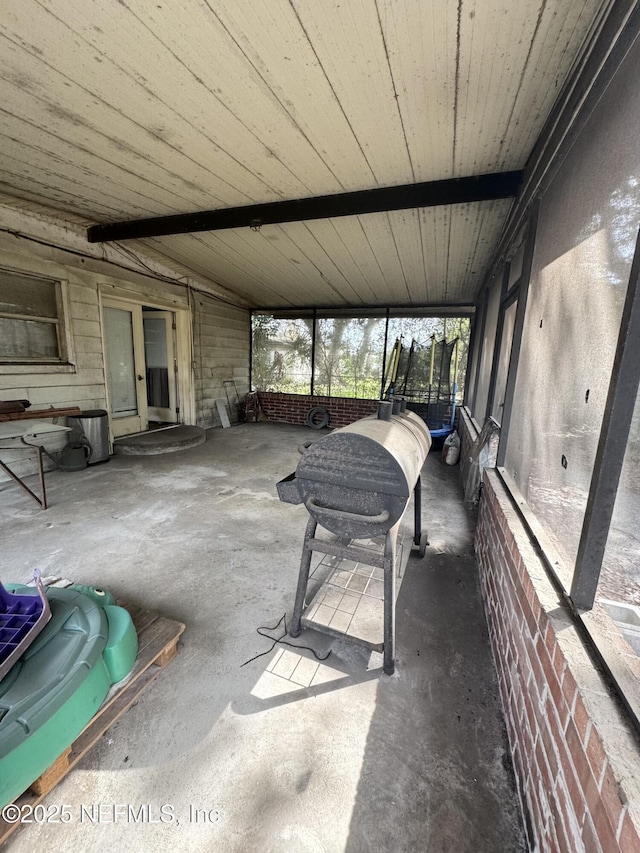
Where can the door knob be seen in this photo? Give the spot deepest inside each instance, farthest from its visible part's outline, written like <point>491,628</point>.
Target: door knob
<point>140,377</point>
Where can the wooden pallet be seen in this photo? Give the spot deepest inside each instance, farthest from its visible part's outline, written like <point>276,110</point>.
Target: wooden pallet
<point>157,645</point>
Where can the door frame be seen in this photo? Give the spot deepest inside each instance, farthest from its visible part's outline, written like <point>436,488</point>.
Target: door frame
<point>185,382</point>
<point>139,422</point>
<point>158,413</point>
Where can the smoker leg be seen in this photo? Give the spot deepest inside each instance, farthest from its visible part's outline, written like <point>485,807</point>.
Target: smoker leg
<point>303,577</point>
<point>420,537</point>
<point>417,511</point>
<point>390,601</point>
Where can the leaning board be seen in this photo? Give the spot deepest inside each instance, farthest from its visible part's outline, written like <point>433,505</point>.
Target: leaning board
<point>222,412</point>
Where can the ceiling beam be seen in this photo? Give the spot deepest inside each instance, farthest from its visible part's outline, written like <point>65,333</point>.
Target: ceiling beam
<point>428,194</point>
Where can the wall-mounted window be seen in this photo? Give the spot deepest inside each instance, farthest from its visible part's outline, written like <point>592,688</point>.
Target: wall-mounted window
<point>503,361</point>
<point>342,355</point>
<point>619,583</point>
<point>575,303</point>
<point>570,439</point>
<point>281,353</point>
<point>31,320</point>
<point>486,355</point>
<point>348,356</point>
<point>419,332</point>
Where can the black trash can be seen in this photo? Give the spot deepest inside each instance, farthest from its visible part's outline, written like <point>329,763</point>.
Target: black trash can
<point>92,425</point>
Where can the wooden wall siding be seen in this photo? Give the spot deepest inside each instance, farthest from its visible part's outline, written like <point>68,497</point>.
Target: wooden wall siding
<point>221,352</point>
<point>125,109</point>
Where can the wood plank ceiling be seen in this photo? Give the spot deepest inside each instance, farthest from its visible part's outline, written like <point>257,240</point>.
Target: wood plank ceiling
<point>123,109</point>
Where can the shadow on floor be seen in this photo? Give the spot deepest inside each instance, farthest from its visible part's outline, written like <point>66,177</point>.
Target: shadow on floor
<point>436,773</point>
<point>294,754</point>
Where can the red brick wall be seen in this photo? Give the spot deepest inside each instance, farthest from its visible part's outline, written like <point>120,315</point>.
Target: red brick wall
<point>572,748</point>
<point>294,408</point>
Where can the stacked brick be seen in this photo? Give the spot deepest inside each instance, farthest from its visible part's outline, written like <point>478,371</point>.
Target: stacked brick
<point>294,408</point>
<point>574,756</point>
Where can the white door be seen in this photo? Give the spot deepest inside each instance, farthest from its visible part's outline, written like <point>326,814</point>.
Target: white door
<point>161,367</point>
<point>125,366</point>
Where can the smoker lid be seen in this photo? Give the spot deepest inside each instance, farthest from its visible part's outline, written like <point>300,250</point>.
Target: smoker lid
<point>360,467</point>
<point>370,455</point>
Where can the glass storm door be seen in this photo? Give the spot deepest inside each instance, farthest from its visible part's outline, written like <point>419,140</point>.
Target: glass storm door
<point>159,355</point>
<point>125,367</point>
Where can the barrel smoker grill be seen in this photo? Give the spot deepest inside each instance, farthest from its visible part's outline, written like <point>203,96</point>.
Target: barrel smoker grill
<point>356,483</point>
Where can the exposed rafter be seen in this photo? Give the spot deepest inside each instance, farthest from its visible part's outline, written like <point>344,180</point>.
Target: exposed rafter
<point>427,194</point>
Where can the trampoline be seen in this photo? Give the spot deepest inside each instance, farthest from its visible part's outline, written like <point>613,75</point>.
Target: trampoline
<point>426,377</point>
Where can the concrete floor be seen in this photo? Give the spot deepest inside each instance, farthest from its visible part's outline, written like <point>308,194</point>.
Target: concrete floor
<point>248,759</point>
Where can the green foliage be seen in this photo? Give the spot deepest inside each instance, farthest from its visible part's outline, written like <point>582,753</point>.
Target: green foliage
<point>348,351</point>
<point>281,354</point>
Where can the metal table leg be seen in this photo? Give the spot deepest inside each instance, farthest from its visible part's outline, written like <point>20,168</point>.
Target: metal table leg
<point>42,502</point>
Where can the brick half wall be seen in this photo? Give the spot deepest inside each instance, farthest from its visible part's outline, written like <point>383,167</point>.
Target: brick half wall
<point>576,760</point>
<point>294,408</point>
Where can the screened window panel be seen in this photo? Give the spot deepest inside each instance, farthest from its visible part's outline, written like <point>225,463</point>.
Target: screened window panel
<point>515,266</point>
<point>469,372</point>
<point>420,331</point>
<point>620,576</point>
<point>348,356</point>
<point>504,358</point>
<point>281,354</point>
<point>585,241</point>
<point>459,370</point>
<point>486,353</point>
<point>563,377</point>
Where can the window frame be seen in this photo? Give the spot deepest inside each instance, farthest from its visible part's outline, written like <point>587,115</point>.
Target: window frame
<point>386,314</point>
<point>64,362</point>
<point>580,594</point>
